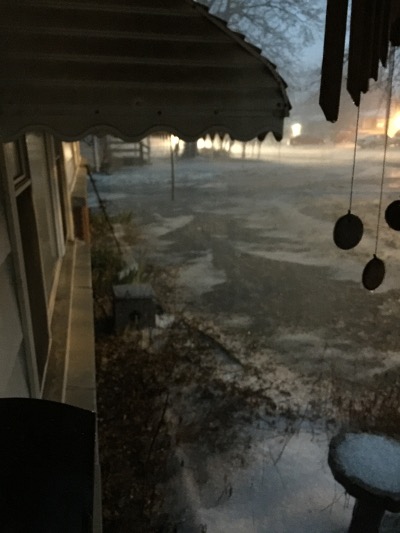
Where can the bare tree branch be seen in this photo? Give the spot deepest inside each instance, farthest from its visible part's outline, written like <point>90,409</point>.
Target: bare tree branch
<point>281,29</point>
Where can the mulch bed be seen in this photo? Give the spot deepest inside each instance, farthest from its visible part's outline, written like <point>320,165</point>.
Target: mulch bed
<point>134,443</point>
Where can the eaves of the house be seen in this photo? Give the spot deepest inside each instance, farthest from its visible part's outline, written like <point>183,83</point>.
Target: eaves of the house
<point>132,67</point>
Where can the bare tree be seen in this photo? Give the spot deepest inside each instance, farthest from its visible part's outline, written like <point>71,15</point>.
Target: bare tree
<point>282,29</point>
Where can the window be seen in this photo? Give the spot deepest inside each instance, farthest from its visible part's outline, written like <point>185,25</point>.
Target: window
<point>44,205</point>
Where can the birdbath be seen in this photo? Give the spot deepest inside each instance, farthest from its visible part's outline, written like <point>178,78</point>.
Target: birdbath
<point>368,467</point>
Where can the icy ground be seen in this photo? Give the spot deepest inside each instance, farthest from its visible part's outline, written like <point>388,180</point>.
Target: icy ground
<point>248,248</point>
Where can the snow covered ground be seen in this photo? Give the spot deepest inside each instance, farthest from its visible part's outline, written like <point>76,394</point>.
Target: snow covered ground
<point>249,245</point>
<point>285,486</point>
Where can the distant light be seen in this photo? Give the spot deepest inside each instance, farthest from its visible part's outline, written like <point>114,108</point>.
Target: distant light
<point>237,148</point>
<point>394,125</point>
<point>200,144</point>
<point>226,143</point>
<point>208,143</point>
<point>296,129</point>
<point>174,141</point>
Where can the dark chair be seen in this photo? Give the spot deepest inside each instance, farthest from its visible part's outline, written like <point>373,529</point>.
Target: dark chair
<point>47,467</point>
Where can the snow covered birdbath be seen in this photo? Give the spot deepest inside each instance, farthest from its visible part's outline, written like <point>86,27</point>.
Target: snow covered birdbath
<point>368,467</point>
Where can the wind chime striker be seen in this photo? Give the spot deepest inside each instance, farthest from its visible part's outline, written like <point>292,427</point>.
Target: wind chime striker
<point>348,230</point>
<point>374,271</point>
<point>392,215</point>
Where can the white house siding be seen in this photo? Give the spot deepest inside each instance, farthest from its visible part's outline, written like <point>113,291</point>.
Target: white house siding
<point>44,207</point>
<point>13,375</point>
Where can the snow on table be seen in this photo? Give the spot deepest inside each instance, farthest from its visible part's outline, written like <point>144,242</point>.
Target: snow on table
<point>372,459</point>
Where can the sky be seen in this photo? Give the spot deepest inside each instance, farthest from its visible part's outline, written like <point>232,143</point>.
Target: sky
<point>297,62</point>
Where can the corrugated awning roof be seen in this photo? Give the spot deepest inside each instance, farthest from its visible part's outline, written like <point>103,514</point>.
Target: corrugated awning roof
<point>132,67</point>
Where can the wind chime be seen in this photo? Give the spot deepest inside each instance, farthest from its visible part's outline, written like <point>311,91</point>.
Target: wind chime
<point>349,229</point>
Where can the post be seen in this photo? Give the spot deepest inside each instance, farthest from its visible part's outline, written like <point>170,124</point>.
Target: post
<point>96,153</point>
<point>171,151</point>
<point>367,517</point>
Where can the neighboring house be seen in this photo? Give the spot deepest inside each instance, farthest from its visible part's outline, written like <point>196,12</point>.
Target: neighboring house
<point>110,153</point>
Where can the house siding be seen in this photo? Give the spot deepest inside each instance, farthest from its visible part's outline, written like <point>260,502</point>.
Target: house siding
<point>5,247</point>
<point>34,195</point>
<point>45,210</point>
<point>13,374</point>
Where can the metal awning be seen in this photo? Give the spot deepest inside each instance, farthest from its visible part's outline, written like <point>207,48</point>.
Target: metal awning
<point>132,67</point>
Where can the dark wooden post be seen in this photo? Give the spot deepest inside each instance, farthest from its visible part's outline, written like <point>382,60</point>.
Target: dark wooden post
<point>367,517</point>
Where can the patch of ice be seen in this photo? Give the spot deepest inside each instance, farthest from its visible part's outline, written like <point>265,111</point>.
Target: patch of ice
<point>286,487</point>
<point>164,321</point>
<point>200,275</point>
<point>164,225</point>
<point>300,341</point>
<point>312,348</point>
<point>372,459</point>
<point>106,196</point>
<point>215,185</point>
<point>286,256</point>
<point>235,320</point>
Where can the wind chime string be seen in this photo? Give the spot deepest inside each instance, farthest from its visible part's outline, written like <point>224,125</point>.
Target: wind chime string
<point>349,229</point>
<point>388,108</point>
<point>354,159</point>
<point>374,271</point>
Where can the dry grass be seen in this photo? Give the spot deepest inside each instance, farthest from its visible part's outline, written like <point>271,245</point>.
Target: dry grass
<point>372,406</point>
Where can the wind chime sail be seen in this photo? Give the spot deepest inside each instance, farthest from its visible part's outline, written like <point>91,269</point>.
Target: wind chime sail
<point>374,271</point>
<point>373,24</point>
